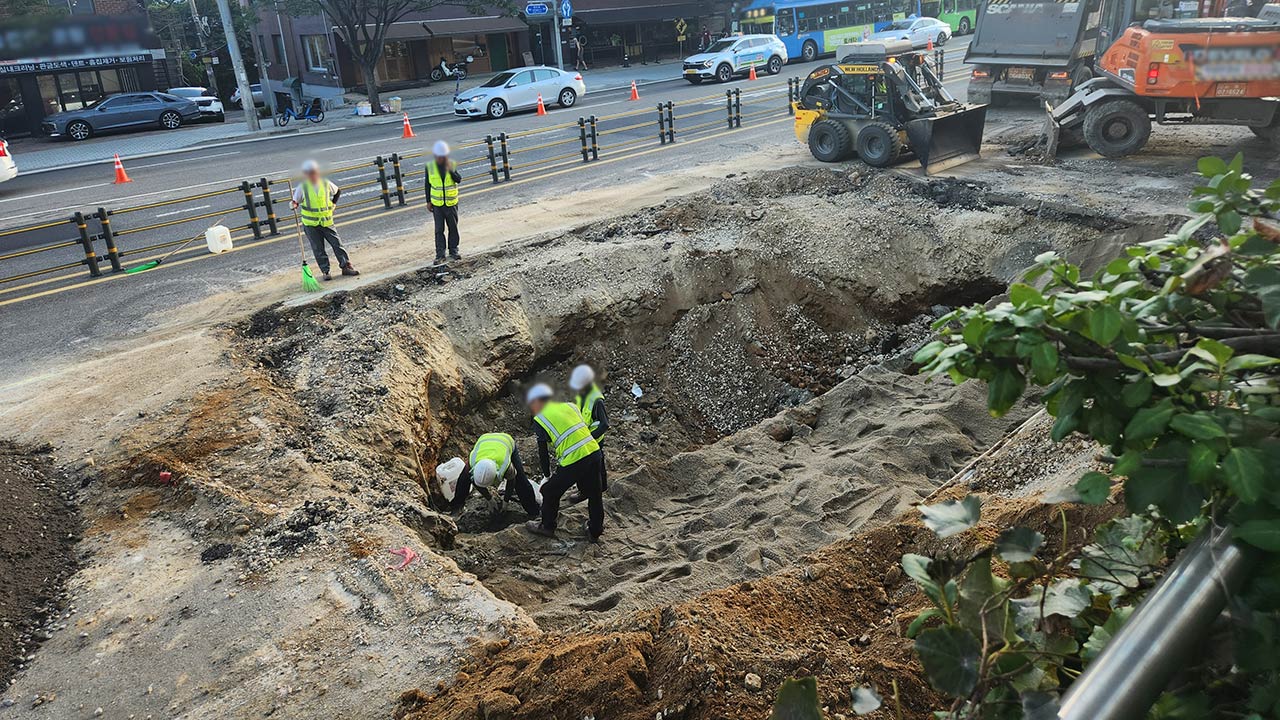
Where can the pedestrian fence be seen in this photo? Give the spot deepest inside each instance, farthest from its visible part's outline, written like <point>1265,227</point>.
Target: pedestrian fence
<point>102,240</point>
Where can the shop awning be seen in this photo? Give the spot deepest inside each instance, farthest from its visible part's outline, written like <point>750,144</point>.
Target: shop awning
<point>418,29</point>
<point>638,13</point>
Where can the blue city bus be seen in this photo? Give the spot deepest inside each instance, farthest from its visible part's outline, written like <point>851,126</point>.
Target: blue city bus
<point>810,28</point>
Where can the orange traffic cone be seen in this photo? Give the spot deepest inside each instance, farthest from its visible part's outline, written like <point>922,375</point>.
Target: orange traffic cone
<point>121,176</point>
<point>408,129</point>
<point>542,109</point>
<point>752,75</point>
<point>635,94</point>
<point>930,48</point>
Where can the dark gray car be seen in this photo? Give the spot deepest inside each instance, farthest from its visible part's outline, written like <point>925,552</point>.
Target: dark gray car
<point>121,112</point>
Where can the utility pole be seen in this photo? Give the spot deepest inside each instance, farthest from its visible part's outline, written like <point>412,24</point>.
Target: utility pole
<point>237,64</point>
<point>555,23</point>
<point>202,32</point>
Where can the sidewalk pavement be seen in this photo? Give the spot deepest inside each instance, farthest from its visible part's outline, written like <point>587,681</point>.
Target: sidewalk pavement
<point>42,154</point>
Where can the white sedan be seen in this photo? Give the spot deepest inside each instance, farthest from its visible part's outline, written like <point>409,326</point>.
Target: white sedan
<point>8,169</point>
<point>918,31</point>
<point>519,89</point>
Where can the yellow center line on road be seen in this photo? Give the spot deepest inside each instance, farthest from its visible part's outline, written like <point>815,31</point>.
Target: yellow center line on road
<point>575,166</point>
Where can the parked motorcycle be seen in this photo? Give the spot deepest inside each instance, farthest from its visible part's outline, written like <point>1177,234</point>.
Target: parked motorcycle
<point>451,70</point>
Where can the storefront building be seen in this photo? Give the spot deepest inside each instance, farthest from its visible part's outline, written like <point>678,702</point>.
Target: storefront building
<point>56,76</point>
<point>619,32</point>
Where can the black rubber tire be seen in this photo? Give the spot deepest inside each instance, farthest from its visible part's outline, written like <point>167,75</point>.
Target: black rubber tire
<point>829,141</point>
<point>724,73</point>
<point>437,74</point>
<point>809,51</point>
<point>170,120</point>
<point>775,65</point>
<point>940,40</point>
<point>499,105</point>
<point>318,117</point>
<point>963,28</point>
<point>694,80</point>
<point>1081,75</point>
<point>568,98</point>
<point>1270,133</point>
<point>222,117</point>
<point>879,144</point>
<point>79,130</point>
<point>1116,128</point>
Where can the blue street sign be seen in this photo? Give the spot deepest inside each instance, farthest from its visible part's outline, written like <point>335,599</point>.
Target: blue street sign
<point>566,8</point>
<point>534,9</point>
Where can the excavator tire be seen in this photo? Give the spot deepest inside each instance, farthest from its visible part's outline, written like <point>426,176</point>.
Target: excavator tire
<point>829,141</point>
<point>879,144</point>
<point>1116,128</point>
<point>1270,133</point>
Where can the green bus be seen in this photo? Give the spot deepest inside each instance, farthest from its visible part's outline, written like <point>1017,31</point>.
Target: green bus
<point>961,15</point>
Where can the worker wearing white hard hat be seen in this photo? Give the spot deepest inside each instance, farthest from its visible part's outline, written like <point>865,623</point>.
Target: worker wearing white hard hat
<point>315,199</point>
<point>443,179</point>
<point>562,431</point>
<point>590,402</point>
<point>493,459</point>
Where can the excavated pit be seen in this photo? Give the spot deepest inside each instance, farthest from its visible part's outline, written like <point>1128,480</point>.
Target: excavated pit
<point>764,323</point>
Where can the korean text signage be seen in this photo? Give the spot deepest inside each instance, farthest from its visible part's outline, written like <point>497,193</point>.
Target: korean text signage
<point>77,64</point>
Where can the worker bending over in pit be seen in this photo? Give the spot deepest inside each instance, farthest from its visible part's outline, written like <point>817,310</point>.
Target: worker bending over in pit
<point>562,430</point>
<point>590,402</point>
<point>493,458</point>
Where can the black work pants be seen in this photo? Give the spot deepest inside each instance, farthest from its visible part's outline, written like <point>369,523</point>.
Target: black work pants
<point>445,216</point>
<point>520,486</point>
<point>319,235</point>
<point>585,474</point>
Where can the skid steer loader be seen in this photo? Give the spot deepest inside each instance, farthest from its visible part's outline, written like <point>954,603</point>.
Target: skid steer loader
<point>879,100</point>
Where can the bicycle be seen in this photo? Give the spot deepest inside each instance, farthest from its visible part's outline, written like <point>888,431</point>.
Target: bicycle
<point>312,113</point>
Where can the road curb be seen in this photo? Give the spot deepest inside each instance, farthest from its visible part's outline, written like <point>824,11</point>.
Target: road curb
<point>274,134</point>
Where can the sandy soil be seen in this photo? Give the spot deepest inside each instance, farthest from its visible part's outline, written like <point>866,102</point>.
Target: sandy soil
<point>300,439</point>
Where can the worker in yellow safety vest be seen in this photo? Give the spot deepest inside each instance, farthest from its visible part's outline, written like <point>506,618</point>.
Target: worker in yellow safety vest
<point>494,458</point>
<point>442,195</point>
<point>563,432</point>
<point>590,402</point>
<point>315,198</point>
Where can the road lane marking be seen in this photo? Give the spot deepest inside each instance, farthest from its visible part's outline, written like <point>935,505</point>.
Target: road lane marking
<point>175,162</point>
<point>51,192</point>
<point>184,210</point>
<point>351,145</point>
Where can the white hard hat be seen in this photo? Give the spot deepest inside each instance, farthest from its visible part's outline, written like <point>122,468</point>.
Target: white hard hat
<point>310,166</point>
<point>581,377</point>
<point>440,149</point>
<point>484,473</point>
<point>541,391</point>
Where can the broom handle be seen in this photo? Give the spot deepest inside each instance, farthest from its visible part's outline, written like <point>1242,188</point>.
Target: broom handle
<point>297,224</point>
<point>193,238</point>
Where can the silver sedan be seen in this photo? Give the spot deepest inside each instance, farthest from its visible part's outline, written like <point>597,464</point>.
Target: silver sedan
<point>519,89</point>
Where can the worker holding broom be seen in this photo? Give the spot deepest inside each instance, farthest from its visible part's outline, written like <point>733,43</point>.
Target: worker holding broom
<point>315,197</point>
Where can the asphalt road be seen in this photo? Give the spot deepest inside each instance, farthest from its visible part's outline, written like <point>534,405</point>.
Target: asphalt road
<point>67,312</point>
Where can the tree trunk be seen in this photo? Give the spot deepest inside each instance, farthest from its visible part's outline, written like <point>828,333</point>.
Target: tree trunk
<point>371,88</point>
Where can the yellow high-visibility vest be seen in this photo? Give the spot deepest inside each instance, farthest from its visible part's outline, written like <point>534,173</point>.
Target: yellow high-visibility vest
<point>444,191</point>
<point>570,438</point>
<point>316,205</point>
<point>496,447</point>
<point>585,404</point>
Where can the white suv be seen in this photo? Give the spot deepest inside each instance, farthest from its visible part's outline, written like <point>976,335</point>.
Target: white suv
<point>736,56</point>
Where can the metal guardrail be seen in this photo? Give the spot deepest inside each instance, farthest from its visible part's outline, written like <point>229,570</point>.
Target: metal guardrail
<point>98,232</point>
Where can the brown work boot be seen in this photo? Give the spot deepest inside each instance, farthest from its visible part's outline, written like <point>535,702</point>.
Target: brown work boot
<point>349,270</point>
<point>535,527</point>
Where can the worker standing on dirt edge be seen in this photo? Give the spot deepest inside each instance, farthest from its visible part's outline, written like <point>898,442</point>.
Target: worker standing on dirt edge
<point>590,402</point>
<point>442,193</point>
<point>561,429</point>
<point>493,458</point>
<point>316,197</point>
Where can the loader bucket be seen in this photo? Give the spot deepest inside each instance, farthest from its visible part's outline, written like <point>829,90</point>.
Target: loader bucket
<point>947,140</point>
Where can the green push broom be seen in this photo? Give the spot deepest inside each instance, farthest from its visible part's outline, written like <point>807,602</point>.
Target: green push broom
<point>309,282</point>
<point>156,263</point>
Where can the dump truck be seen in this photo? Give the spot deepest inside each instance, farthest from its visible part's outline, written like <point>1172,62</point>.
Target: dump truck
<point>1040,49</point>
<point>880,100</point>
<point>1210,71</point>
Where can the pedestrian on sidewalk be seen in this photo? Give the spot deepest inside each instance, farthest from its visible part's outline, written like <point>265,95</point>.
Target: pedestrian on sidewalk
<point>442,194</point>
<point>316,197</point>
<point>561,429</point>
<point>580,50</point>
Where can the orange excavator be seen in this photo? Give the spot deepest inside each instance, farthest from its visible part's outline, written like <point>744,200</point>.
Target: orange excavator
<point>1220,71</point>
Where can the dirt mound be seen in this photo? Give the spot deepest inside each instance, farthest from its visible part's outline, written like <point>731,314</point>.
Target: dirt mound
<point>37,551</point>
<point>839,615</point>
